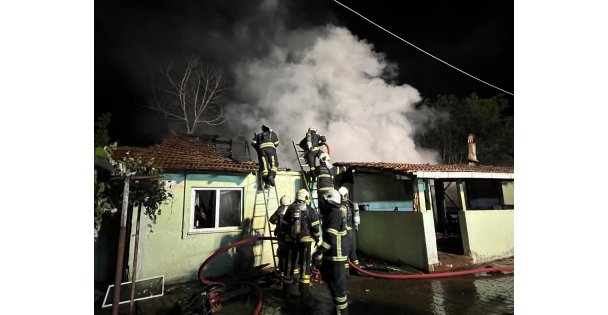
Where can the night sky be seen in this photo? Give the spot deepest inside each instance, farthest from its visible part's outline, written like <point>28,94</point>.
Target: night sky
<point>133,39</point>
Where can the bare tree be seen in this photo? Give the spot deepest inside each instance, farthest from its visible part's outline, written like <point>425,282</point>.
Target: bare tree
<point>191,96</point>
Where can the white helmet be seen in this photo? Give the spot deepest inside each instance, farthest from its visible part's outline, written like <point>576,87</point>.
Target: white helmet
<point>344,192</point>
<point>302,195</point>
<point>285,200</point>
<point>333,196</point>
<point>312,129</point>
<point>324,157</point>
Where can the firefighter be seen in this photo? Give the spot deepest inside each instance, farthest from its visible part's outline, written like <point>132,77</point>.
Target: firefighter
<point>276,219</point>
<point>303,223</point>
<point>350,211</point>
<point>310,144</point>
<point>331,253</point>
<point>265,144</point>
<point>325,173</point>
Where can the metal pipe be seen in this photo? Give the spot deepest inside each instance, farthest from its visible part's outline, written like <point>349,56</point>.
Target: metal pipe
<point>121,247</point>
<point>135,254</point>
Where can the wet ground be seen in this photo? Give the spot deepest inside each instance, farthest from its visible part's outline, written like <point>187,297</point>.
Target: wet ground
<point>482,293</point>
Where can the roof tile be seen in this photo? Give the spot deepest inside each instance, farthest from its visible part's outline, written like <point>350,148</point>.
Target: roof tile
<point>412,168</point>
<point>184,152</point>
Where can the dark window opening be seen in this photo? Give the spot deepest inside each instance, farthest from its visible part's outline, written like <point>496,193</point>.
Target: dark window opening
<point>212,212</point>
<point>488,194</point>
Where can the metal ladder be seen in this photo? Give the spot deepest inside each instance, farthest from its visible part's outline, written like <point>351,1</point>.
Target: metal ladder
<point>311,187</point>
<point>258,215</point>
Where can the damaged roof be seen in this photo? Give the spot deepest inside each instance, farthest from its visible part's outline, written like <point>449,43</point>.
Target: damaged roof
<point>434,170</point>
<point>186,152</point>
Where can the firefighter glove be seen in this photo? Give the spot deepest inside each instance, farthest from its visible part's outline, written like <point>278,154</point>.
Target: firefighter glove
<point>317,256</point>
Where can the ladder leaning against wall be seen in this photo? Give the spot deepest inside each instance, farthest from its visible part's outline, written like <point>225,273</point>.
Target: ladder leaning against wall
<point>304,168</point>
<point>260,223</point>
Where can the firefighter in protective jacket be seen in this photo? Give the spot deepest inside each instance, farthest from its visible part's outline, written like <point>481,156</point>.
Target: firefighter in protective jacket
<point>332,251</point>
<point>301,226</point>
<point>310,144</point>
<point>325,173</point>
<point>350,211</point>
<point>265,144</point>
<point>276,219</point>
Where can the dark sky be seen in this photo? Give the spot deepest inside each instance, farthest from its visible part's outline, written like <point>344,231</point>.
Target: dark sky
<point>134,38</point>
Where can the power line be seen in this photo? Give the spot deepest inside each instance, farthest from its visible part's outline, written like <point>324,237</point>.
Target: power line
<point>422,50</point>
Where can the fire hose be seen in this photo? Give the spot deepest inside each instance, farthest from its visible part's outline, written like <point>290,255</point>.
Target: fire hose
<point>328,149</point>
<point>430,275</point>
<point>217,295</point>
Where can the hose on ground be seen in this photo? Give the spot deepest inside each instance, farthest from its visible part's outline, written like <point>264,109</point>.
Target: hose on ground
<point>430,275</point>
<point>258,308</point>
<point>220,250</point>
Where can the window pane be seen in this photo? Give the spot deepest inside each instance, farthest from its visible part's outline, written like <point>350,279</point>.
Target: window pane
<point>230,208</point>
<point>483,194</point>
<point>204,209</point>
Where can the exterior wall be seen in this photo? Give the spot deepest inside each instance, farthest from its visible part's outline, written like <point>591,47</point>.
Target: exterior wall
<point>173,251</point>
<point>428,221</point>
<point>487,234</point>
<point>394,236</point>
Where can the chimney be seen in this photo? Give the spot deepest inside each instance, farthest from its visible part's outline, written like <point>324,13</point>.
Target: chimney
<point>472,150</point>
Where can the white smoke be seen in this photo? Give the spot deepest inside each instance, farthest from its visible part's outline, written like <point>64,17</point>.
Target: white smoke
<point>329,79</point>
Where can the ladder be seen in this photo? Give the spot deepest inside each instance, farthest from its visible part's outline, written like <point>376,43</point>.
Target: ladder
<point>260,221</point>
<point>304,167</point>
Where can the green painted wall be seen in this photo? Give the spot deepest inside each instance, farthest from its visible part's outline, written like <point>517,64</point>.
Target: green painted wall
<point>487,234</point>
<point>394,236</point>
<point>176,252</point>
<point>508,193</point>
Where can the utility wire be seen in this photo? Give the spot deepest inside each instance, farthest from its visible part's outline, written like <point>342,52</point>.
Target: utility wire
<point>422,50</point>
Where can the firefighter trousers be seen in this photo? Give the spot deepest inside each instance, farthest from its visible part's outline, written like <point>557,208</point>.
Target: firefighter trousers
<point>311,156</point>
<point>268,164</point>
<point>287,262</point>
<point>304,260</point>
<point>350,242</point>
<point>334,274</point>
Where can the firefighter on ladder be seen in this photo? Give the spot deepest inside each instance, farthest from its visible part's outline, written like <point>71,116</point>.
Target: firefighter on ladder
<point>325,173</point>
<point>265,144</point>
<point>331,253</point>
<point>301,227</point>
<point>310,144</point>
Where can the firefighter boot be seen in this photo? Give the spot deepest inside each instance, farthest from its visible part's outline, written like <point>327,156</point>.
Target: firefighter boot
<point>307,298</point>
<point>271,180</point>
<point>310,175</point>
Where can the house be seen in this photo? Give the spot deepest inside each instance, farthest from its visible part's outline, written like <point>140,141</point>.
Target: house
<point>433,217</point>
<point>213,203</point>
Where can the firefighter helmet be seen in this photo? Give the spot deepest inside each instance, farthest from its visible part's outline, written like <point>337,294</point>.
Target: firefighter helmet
<point>302,195</point>
<point>332,195</point>
<point>265,128</point>
<point>285,200</point>
<point>314,129</point>
<point>343,192</point>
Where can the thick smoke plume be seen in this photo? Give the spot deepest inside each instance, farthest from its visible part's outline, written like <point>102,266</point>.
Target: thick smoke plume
<point>329,79</point>
<point>287,65</point>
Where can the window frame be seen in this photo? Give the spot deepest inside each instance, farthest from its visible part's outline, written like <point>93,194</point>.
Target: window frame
<point>193,230</point>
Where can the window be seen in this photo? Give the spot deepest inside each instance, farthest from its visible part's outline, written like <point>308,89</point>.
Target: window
<point>217,209</point>
<point>489,194</point>
<point>382,192</point>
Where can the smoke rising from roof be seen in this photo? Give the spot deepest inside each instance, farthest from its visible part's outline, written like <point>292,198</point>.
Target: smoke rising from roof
<point>287,66</point>
<point>325,77</point>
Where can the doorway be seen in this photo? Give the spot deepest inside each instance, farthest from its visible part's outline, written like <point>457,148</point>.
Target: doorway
<point>447,204</point>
